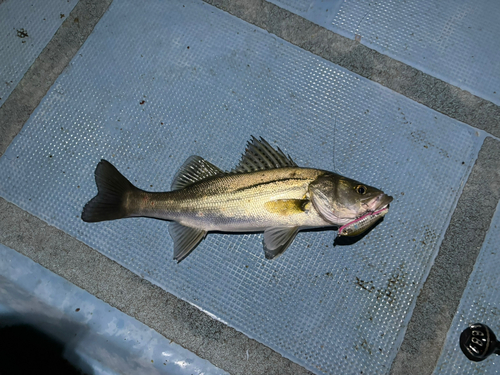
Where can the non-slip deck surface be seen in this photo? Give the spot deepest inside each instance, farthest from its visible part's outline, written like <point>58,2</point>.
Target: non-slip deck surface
<point>26,26</point>
<point>480,303</point>
<point>150,88</point>
<point>456,41</point>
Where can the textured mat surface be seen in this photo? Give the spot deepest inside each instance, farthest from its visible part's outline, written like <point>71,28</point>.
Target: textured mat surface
<point>150,88</point>
<point>480,304</point>
<point>97,338</point>
<point>455,41</point>
<point>21,44</point>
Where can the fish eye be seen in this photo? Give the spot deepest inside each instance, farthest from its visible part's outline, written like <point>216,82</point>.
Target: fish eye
<point>361,189</point>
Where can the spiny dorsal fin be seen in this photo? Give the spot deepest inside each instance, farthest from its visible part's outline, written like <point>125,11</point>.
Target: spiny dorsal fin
<point>185,239</point>
<point>260,155</point>
<point>277,240</point>
<point>194,169</point>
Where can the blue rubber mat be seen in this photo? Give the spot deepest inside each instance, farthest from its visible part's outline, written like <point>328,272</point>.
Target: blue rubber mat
<point>480,303</point>
<point>148,89</point>
<point>26,26</point>
<point>98,338</point>
<point>456,41</point>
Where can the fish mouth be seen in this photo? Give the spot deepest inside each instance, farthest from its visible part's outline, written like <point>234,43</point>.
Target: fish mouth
<point>362,223</point>
<point>376,209</point>
<point>377,204</point>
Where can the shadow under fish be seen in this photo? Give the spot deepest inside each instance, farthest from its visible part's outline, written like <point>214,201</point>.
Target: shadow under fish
<point>266,192</point>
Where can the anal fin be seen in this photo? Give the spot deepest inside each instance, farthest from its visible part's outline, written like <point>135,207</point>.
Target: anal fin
<point>185,239</point>
<point>277,240</point>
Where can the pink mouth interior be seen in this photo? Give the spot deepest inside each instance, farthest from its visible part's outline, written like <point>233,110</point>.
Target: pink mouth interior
<point>360,218</point>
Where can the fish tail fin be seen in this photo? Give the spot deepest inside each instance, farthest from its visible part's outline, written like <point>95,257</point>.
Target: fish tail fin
<point>112,192</point>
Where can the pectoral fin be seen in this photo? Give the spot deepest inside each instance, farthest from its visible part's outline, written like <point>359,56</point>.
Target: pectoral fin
<point>185,239</point>
<point>287,207</point>
<point>277,240</point>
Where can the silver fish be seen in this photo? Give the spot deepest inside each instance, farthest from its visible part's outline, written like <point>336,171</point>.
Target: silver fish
<point>266,192</point>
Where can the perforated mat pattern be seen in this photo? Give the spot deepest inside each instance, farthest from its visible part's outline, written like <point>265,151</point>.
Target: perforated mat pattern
<point>480,303</point>
<point>150,88</point>
<point>456,41</point>
<point>26,26</point>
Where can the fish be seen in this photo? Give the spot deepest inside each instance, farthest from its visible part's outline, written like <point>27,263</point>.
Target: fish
<point>266,192</point>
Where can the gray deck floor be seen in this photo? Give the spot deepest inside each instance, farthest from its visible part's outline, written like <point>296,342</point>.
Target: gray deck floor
<point>401,100</point>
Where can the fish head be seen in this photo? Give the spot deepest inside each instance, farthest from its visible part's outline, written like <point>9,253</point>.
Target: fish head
<point>340,200</point>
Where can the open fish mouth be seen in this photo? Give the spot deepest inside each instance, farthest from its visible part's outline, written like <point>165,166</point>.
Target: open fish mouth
<point>378,208</point>
<point>380,202</point>
<point>362,223</point>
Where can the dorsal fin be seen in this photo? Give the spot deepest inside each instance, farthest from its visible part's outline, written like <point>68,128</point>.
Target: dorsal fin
<point>194,169</point>
<point>260,155</point>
